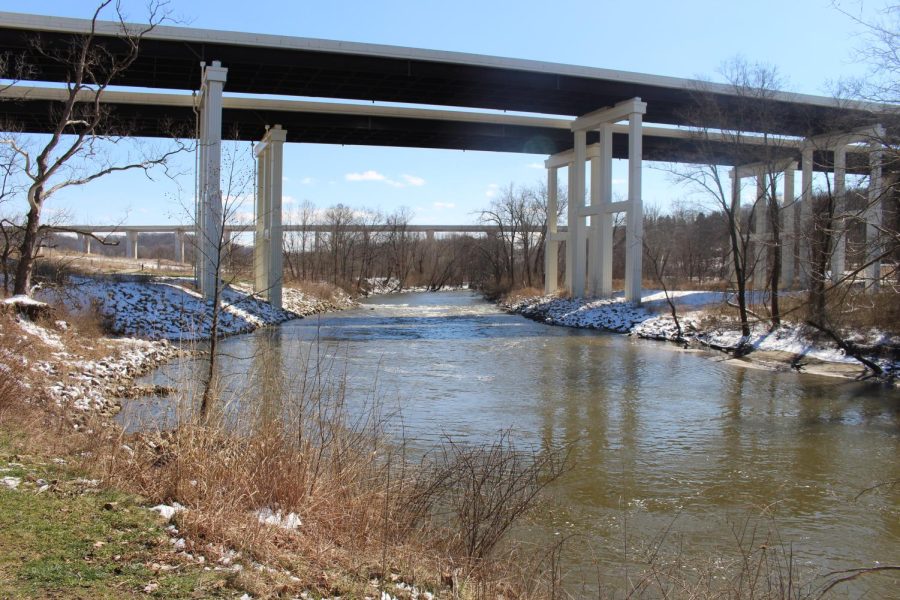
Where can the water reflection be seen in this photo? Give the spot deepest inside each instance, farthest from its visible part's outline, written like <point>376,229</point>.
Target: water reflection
<point>658,434</point>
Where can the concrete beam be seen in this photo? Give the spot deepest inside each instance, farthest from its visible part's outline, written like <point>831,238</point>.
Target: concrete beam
<point>613,114</point>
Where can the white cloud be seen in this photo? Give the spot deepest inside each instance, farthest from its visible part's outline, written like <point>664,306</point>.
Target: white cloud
<point>491,190</point>
<point>288,200</point>
<point>242,217</point>
<point>365,176</point>
<point>443,205</point>
<point>413,180</point>
<point>232,203</point>
<point>307,181</point>
<point>536,165</point>
<point>372,175</point>
<point>619,181</point>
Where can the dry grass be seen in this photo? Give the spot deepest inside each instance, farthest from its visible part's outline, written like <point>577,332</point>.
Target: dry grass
<point>320,290</point>
<point>858,310</point>
<point>516,295</point>
<point>368,511</point>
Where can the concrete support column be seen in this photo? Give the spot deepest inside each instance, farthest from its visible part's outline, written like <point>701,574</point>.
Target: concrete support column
<point>429,235</point>
<point>577,238</point>
<point>551,245</point>
<point>874,220</point>
<point>131,244</point>
<point>85,243</point>
<point>804,229</point>
<point>760,232</point>
<point>209,202</point>
<point>261,234</point>
<point>788,232</point>
<point>839,238</point>
<point>634,229</point>
<point>570,235</point>
<point>602,208</point>
<point>605,218</point>
<point>594,257</point>
<point>179,246</point>
<point>269,243</point>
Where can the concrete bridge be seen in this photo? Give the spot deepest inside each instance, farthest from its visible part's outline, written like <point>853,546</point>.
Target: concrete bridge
<point>591,116</point>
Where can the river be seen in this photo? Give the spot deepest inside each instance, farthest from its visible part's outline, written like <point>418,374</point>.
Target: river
<point>677,450</point>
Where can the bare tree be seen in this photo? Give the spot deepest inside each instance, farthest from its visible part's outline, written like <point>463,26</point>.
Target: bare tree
<point>752,85</point>
<point>399,242</point>
<point>81,126</point>
<point>238,172</point>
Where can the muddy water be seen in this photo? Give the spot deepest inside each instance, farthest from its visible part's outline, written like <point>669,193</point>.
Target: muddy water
<point>674,450</point>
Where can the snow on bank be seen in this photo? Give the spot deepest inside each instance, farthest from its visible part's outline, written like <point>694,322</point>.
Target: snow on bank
<point>614,314</point>
<point>65,366</point>
<point>95,385</point>
<point>378,286</point>
<point>54,362</point>
<point>167,309</point>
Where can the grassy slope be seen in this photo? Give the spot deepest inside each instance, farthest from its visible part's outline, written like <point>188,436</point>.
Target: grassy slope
<point>74,541</point>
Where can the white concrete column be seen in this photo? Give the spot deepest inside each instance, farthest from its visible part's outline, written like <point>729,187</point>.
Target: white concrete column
<point>131,244</point>
<point>594,257</point>
<point>605,218</point>
<point>788,232</point>
<point>269,243</point>
<point>261,234</point>
<point>634,230</point>
<point>839,238</point>
<point>804,229</point>
<point>85,243</point>
<point>179,246</point>
<point>570,235</point>
<point>209,226</point>
<point>760,233</point>
<point>577,237</point>
<point>551,245</point>
<point>277,137</point>
<point>874,220</point>
<point>429,235</point>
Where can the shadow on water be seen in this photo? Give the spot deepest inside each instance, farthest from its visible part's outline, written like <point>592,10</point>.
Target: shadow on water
<point>660,435</point>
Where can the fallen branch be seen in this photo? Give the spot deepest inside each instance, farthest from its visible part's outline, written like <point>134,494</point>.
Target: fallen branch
<point>849,348</point>
<point>851,574</point>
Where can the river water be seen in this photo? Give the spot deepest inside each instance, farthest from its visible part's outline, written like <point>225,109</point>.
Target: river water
<point>675,450</point>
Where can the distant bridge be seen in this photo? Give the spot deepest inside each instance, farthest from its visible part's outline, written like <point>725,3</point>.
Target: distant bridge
<point>86,233</point>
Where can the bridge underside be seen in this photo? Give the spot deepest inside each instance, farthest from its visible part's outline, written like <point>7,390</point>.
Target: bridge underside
<point>154,120</point>
<point>170,58</point>
<point>174,58</point>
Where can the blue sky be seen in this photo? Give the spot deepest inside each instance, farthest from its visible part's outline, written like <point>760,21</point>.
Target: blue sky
<point>809,41</point>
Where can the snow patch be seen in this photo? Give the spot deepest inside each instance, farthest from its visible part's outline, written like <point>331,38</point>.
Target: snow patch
<point>167,511</point>
<point>269,517</point>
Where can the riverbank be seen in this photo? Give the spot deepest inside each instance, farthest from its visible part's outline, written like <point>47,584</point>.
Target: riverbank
<point>700,314</point>
<point>228,528</point>
<point>98,334</point>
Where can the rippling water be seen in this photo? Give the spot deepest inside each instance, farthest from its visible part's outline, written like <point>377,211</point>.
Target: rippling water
<point>665,440</point>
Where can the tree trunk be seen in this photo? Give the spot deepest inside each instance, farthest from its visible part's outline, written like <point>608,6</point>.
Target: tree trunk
<point>739,274</point>
<point>775,275</point>
<point>28,251</point>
